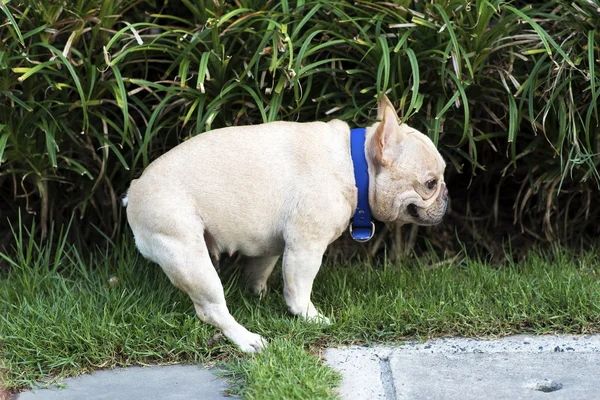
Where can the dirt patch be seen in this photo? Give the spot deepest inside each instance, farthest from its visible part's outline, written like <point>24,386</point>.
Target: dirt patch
<point>5,394</point>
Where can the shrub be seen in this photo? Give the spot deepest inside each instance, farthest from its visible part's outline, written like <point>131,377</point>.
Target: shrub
<point>91,92</point>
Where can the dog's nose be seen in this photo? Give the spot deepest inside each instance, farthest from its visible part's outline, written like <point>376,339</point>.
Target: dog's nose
<point>412,210</point>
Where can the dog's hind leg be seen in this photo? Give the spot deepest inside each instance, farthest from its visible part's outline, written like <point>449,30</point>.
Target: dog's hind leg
<point>185,260</point>
<point>257,271</point>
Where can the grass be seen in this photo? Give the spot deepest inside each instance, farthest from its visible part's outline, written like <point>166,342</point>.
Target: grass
<point>62,314</point>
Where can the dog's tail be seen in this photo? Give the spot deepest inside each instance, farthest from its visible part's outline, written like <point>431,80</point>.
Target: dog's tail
<point>125,198</point>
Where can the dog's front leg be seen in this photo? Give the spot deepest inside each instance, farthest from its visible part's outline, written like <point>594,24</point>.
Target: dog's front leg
<point>300,266</point>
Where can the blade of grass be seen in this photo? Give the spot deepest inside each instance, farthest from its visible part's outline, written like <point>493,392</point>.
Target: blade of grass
<point>543,35</point>
<point>3,141</point>
<point>75,78</point>
<point>51,145</point>
<point>513,124</point>
<point>414,65</point>
<point>384,66</point>
<point>465,103</point>
<point>121,97</point>
<point>13,22</point>
<point>457,49</point>
<point>14,98</point>
<point>592,74</point>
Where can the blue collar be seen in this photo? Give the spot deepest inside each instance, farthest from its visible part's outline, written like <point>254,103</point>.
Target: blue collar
<point>361,228</point>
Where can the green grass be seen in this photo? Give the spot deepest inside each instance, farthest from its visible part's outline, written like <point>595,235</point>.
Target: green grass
<point>63,315</point>
<point>285,370</point>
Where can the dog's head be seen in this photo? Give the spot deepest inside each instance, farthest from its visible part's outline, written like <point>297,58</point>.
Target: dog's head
<point>406,172</point>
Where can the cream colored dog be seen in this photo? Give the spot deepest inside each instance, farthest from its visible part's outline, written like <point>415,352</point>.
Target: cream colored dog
<point>272,189</point>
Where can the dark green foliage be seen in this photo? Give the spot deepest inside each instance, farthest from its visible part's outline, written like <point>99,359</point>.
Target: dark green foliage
<point>92,91</point>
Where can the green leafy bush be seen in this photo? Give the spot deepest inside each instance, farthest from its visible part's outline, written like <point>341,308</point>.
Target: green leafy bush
<point>92,91</point>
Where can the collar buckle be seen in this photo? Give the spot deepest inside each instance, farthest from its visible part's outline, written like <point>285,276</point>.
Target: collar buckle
<point>362,234</point>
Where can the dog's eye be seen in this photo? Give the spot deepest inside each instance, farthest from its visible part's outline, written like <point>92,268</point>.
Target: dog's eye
<point>431,184</point>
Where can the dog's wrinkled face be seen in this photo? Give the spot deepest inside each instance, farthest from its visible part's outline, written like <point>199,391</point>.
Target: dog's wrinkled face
<point>406,171</point>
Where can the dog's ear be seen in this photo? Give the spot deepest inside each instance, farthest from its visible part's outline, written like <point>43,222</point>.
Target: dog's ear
<point>387,132</point>
<point>382,105</point>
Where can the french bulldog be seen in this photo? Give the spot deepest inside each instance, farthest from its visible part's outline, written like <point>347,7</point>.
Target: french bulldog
<point>279,188</point>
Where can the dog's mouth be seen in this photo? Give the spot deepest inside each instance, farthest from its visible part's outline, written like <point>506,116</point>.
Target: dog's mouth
<point>426,216</point>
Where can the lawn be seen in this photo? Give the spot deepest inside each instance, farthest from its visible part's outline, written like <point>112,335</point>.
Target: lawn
<point>63,314</point>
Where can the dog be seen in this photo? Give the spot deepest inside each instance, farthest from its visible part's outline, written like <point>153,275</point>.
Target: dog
<point>275,189</point>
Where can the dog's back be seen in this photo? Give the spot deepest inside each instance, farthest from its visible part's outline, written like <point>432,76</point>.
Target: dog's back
<point>245,183</point>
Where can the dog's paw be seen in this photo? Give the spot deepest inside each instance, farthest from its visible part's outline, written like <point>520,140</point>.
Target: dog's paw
<point>319,319</point>
<point>310,314</point>
<point>250,342</point>
<point>258,289</point>
<point>316,317</point>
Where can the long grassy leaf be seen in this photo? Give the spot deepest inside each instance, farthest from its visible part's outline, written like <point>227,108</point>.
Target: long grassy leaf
<point>588,118</point>
<point>150,131</point>
<point>51,145</point>
<point>14,98</point>
<point>3,141</point>
<point>76,166</point>
<point>513,124</point>
<point>403,39</point>
<point>13,22</point>
<point>452,34</point>
<point>305,19</point>
<point>543,35</point>
<point>448,104</point>
<point>35,31</point>
<point>465,103</point>
<point>384,66</point>
<point>225,18</point>
<point>119,34</point>
<point>75,78</point>
<point>414,65</point>
<point>315,64</point>
<point>122,100</point>
<point>592,72</point>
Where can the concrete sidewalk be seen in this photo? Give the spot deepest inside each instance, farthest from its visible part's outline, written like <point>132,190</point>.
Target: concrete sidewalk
<point>170,382</point>
<point>517,367</point>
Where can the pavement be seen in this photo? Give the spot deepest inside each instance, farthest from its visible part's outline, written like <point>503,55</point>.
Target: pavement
<point>516,367</point>
<point>169,382</point>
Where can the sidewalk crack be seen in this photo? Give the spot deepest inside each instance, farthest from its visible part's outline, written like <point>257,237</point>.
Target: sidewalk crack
<point>387,378</point>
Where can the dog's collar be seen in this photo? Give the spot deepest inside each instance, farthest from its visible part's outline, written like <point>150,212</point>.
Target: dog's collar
<point>361,228</point>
